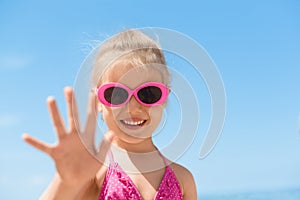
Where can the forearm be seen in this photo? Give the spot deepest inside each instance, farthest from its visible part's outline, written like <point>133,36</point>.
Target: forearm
<point>58,190</point>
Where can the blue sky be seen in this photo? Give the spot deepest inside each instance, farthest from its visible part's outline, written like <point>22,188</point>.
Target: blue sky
<point>255,45</point>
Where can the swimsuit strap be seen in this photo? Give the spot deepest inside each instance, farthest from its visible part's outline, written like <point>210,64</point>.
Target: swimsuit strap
<point>111,157</point>
<point>164,158</point>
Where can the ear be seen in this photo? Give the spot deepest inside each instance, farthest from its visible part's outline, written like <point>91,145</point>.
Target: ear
<point>166,102</point>
<point>99,107</point>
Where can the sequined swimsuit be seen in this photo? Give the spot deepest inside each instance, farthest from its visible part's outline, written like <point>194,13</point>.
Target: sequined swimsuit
<point>117,185</point>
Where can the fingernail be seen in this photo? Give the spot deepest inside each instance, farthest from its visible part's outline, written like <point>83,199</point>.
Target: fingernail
<point>50,98</point>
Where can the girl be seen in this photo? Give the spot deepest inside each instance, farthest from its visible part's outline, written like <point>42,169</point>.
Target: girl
<point>131,81</point>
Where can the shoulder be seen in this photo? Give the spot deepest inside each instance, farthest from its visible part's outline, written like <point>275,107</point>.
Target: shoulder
<point>100,176</point>
<point>183,174</point>
<point>92,190</point>
<point>186,181</point>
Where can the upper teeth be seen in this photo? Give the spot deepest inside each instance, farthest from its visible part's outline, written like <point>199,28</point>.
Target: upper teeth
<point>133,123</point>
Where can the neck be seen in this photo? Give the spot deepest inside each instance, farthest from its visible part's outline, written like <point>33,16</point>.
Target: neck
<point>141,157</point>
<point>142,146</point>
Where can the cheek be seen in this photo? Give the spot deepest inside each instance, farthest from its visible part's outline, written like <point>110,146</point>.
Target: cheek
<point>156,114</point>
<point>110,114</point>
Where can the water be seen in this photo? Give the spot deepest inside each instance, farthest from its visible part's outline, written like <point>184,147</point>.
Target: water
<point>292,194</point>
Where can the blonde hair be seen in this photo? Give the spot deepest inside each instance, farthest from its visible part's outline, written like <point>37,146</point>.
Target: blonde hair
<point>131,46</point>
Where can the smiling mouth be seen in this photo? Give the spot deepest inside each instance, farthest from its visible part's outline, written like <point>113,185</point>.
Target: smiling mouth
<point>133,124</point>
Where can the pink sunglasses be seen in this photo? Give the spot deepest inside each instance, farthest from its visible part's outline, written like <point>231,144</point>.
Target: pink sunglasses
<point>148,94</point>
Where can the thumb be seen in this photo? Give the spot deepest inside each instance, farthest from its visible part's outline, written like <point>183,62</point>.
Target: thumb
<point>44,147</point>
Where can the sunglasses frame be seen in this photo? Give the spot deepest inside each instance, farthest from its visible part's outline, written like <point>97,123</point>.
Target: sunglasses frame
<point>163,88</point>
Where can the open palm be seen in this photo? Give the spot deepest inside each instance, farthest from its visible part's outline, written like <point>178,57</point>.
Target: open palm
<point>75,162</point>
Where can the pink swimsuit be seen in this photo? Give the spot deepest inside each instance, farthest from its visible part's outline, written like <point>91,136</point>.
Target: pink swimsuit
<point>118,185</point>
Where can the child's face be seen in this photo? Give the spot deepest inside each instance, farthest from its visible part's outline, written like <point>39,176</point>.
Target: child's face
<point>132,122</point>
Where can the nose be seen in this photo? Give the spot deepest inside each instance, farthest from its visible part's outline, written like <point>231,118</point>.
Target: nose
<point>133,105</point>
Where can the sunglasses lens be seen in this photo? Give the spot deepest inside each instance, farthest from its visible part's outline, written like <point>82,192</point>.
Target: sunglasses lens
<point>115,95</point>
<point>150,94</point>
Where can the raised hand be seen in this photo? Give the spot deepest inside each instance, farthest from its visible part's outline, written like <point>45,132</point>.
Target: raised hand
<point>74,161</point>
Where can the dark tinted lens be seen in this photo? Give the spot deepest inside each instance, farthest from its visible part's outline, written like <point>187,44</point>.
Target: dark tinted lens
<point>115,95</point>
<point>149,94</point>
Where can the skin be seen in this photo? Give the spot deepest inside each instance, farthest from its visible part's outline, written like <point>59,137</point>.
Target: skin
<point>79,173</point>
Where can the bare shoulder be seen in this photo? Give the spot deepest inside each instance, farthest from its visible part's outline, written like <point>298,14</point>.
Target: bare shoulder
<point>92,191</point>
<point>100,176</point>
<point>181,172</point>
<point>186,181</point>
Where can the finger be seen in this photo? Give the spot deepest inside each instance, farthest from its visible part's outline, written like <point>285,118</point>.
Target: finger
<point>90,126</point>
<point>56,118</point>
<point>46,148</point>
<point>72,109</point>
